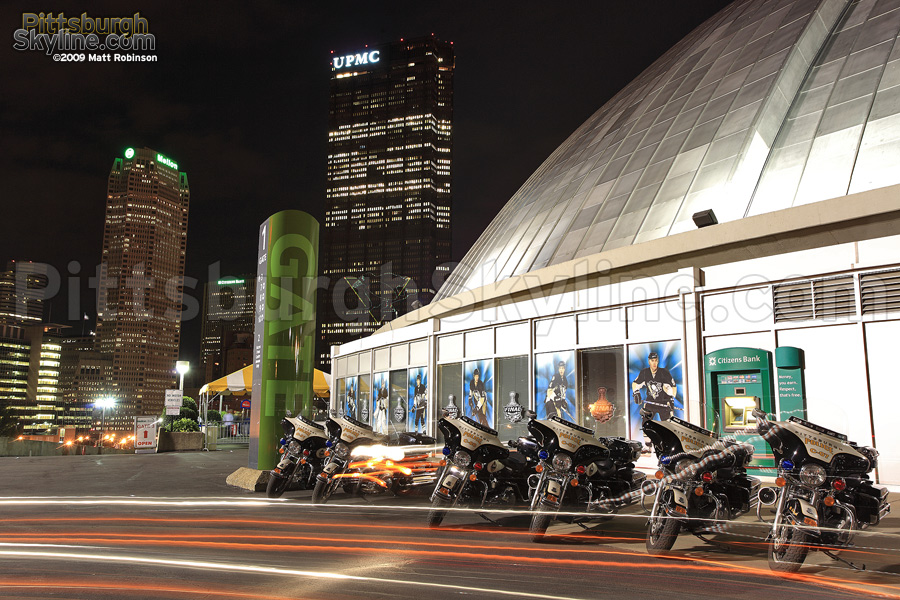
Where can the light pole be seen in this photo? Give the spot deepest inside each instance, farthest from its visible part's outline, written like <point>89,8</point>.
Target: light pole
<point>103,403</point>
<point>182,366</point>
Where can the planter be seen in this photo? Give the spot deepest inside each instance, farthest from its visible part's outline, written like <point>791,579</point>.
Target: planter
<point>179,441</point>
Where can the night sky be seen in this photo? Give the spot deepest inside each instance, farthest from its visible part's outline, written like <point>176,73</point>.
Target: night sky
<point>239,98</point>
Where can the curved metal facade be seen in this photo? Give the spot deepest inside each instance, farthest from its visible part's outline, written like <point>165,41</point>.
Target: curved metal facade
<point>769,104</point>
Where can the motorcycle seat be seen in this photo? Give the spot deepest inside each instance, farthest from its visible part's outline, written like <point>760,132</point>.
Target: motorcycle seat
<point>515,461</point>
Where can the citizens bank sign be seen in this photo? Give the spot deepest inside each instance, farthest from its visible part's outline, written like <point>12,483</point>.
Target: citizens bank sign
<point>349,60</point>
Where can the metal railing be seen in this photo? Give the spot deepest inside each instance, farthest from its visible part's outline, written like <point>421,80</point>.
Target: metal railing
<point>227,434</point>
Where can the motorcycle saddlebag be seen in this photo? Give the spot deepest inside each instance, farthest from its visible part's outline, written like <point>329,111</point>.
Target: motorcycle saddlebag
<point>871,503</point>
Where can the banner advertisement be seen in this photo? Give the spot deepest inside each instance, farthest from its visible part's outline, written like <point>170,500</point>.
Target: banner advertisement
<point>478,389</point>
<point>173,402</point>
<point>350,397</point>
<point>381,400</point>
<point>656,373</point>
<point>554,386</point>
<point>145,434</point>
<point>418,399</point>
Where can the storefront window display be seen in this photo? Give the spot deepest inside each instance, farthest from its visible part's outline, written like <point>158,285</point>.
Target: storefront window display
<point>397,411</point>
<point>655,371</point>
<point>479,391</point>
<point>554,388</point>
<point>450,383</point>
<point>418,399</point>
<point>348,406</point>
<point>512,397</point>
<point>604,397</point>
<point>341,389</point>
<point>380,402</point>
<point>364,397</point>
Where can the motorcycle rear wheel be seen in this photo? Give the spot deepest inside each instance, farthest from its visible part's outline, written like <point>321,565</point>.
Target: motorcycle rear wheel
<point>277,484</point>
<point>540,521</point>
<point>322,492</point>
<point>438,512</point>
<point>788,549</point>
<point>661,534</point>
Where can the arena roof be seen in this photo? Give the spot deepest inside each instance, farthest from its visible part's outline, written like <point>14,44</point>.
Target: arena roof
<point>770,104</point>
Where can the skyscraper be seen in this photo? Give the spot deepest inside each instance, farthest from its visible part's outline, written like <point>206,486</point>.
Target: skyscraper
<point>142,271</point>
<point>226,344</point>
<point>387,219</point>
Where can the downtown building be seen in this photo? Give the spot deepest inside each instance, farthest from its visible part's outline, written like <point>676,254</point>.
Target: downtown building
<point>386,237</point>
<point>30,352</point>
<point>226,343</point>
<point>142,273</point>
<point>732,213</point>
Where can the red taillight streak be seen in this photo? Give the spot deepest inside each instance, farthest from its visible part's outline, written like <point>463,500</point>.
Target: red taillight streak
<point>191,592</point>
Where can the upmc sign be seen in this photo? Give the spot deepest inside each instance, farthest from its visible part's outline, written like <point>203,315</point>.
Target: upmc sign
<point>349,60</point>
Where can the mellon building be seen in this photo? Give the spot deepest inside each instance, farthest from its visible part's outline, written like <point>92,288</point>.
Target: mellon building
<point>730,217</point>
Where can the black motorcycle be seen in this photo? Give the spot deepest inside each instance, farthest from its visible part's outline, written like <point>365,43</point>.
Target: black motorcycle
<point>823,493</point>
<point>479,470</point>
<point>302,452</point>
<point>578,470</point>
<point>702,481</point>
<point>364,463</point>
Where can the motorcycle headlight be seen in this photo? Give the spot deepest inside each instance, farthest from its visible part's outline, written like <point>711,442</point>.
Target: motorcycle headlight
<point>562,462</point>
<point>812,475</point>
<point>462,458</point>
<point>341,450</point>
<point>294,448</point>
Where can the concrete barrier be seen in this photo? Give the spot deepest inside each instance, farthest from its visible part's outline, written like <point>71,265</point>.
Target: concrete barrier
<point>13,447</point>
<point>179,441</point>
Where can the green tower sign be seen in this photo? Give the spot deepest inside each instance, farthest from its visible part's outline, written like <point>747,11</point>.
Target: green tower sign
<point>129,153</point>
<point>284,334</point>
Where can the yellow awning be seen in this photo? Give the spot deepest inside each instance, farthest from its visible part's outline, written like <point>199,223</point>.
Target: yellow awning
<point>241,382</point>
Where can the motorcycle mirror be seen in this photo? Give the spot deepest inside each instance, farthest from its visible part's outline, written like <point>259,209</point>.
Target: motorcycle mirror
<point>530,414</point>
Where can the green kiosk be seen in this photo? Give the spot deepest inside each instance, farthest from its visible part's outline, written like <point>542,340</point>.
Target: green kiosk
<point>737,381</point>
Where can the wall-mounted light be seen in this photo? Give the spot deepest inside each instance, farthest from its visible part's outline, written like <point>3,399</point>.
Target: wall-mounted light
<point>705,218</point>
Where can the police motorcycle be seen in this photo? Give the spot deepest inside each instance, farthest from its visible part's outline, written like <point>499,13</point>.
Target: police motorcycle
<point>579,470</point>
<point>364,463</point>
<point>302,452</point>
<point>702,481</point>
<point>479,470</point>
<point>823,493</point>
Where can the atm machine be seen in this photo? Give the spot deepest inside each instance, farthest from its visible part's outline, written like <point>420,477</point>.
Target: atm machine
<point>739,380</point>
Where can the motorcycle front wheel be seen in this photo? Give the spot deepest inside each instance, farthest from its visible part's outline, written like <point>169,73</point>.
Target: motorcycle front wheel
<point>661,534</point>
<point>788,549</point>
<point>277,484</point>
<point>322,491</point>
<point>540,522</point>
<point>437,513</point>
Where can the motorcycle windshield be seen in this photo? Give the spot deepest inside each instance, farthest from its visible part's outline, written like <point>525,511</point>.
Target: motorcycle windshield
<point>472,436</point>
<point>675,436</point>
<point>802,440</point>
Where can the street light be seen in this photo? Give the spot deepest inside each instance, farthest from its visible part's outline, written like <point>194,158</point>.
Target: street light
<point>182,366</point>
<point>103,403</point>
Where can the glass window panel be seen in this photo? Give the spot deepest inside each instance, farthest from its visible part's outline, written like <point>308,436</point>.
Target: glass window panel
<point>397,411</point>
<point>512,390</point>
<point>604,397</point>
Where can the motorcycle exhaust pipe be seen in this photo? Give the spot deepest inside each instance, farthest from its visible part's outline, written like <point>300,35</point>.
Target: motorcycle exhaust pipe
<point>767,496</point>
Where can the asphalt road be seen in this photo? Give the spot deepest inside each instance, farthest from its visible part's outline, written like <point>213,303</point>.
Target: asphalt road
<point>167,526</point>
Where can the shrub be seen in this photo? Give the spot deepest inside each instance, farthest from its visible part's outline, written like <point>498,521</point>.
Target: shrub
<point>188,409</point>
<point>185,425</point>
<point>213,416</point>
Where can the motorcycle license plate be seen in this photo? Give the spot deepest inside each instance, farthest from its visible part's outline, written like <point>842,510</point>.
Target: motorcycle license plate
<point>680,510</point>
<point>331,468</point>
<point>449,482</point>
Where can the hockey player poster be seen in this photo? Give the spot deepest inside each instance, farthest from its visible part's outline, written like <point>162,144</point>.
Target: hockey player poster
<point>554,385</point>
